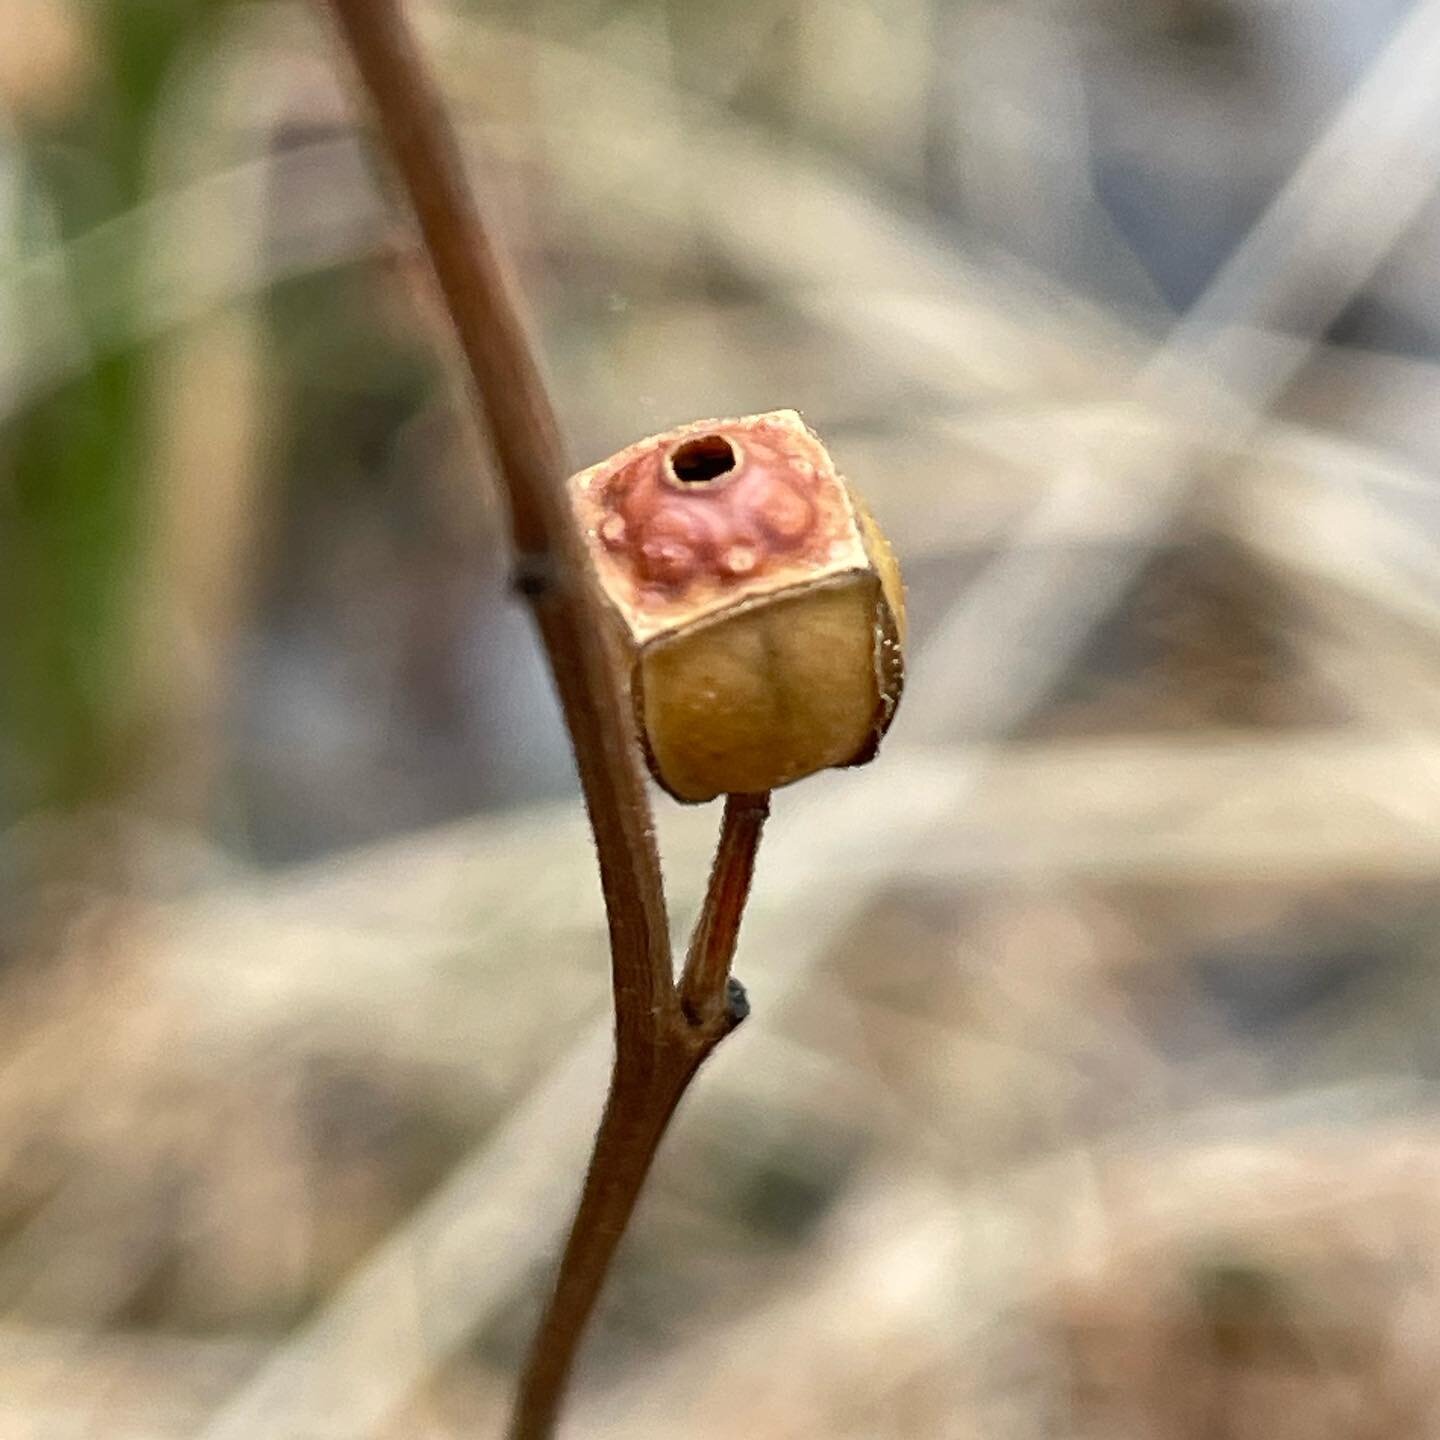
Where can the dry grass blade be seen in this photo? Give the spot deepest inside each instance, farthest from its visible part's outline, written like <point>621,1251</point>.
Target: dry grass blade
<point>1214,372</point>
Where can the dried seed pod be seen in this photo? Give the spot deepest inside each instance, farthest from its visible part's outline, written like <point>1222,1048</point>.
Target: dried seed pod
<point>759,602</point>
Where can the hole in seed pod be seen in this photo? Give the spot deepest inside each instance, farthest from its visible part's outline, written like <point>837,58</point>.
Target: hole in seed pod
<point>705,458</point>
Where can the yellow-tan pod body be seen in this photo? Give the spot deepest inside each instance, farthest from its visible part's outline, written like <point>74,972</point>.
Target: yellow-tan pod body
<point>759,604</point>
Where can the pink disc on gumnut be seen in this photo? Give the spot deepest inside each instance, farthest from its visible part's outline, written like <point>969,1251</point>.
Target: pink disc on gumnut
<point>724,505</point>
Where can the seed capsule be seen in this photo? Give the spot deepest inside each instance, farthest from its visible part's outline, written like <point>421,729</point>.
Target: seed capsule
<point>760,604</point>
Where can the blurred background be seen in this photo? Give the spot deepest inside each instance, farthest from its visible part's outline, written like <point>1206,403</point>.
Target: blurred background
<point>1091,1088</point>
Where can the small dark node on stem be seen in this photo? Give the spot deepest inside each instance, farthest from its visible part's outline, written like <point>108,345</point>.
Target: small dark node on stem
<point>736,1010</point>
<point>532,576</point>
<point>737,1002</point>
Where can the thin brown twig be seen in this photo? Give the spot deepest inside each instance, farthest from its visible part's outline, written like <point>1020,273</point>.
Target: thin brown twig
<point>642,1100</point>
<point>662,1034</point>
<point>516,412</point>
<point>704,982</point>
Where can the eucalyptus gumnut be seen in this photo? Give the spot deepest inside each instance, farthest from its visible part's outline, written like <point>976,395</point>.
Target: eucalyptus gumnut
<point>758,603</point>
